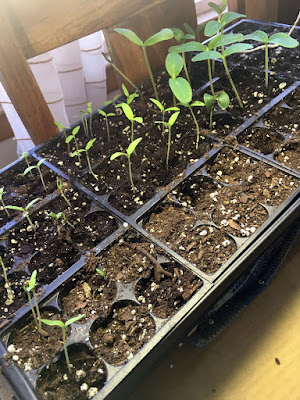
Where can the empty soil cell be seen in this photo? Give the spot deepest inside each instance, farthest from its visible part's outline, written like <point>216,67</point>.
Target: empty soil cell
<point>289,155</point>
<point>19,190</point>
<point>29,348</point>
<point>262,140</point>
<point>51,251</point>
<point>282,120</point>
<point>164,294</point>
<point>118,337</point>
<point>88,292</point>
<point>293,100</point>
<point>88,376</point>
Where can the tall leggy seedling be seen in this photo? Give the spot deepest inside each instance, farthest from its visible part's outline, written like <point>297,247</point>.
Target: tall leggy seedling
<point>127,154</point>
<point>221,98</point>
<point>38,167</point>
<point>86,151</point>
<point>63,129</point>
<point>25,157</point>
<point>106,116</point>
<point>164,34</point>
<point>10,294</point>
<point>29,288</point>
<point>72,136</point>
<point>60,188</point>
<point>25,211</point>
<point>129,114</point>
<point>162,109</point>
<point>64,328</point>
<point>2,202</point>
<point>169,124</point>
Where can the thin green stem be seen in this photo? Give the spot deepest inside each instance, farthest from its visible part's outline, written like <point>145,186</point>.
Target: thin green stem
<point>185,69</point>
<point>107,128</point>
<point>66,350</point>
<point>197,126</point>
<point>32,310</point>
<point>231,82</point>
<point>210,117</point>
<point>210,78</point>
<point>130,174</point>
<point>42,179</point>
<point>125,77</point>
<point>3,205</point>
<point>57,226</point>
<point>91,128</point>
<point>150,72</point>
<point>63,195</point>
<point>4,271</point>
<point>76,146</point>
<point>37,311</point>
<point>90,167</point>
<point>169,147</point>
<point>68,144</point>
<point>28,165</point>
<point>29,220</point>
<point>131,131</point>
<point>267,66</point>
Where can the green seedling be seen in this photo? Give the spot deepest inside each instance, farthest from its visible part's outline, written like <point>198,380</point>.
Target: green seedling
<point>162,109</point>
<point>127,154</point>
<point>10,294</point>
<point>38,167</point>
<point>183,92</point>
<point>60,188</point>
<point>56,218</point>
<point>25,211</point>
<point>106,116</point>
<point>221,98</point>
<point>25,157</point>
<point>63,129</point>
<point>100,272</point>
<point>169,124</point>
<point>64,328</point>
<point>129,97</point>
<point>129,114</point>
<point>90,112</point>
<point>83,117</point>
<point>164,34</point>
<point>174,65</point>
<point>85,150</point>
<point>2,202</point>
<point>280,39</point>
<point>73,136</point>
<point>29,288</point>
<point>109,60</point>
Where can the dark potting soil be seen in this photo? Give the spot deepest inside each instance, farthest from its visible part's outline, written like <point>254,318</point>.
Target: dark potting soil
<point>289,155</point>
<point>29,348</point>
<point>262,140</point>
<point>19,190</point>
<point>281,119</point>
<point>118,337</point>
<point>88,376</point>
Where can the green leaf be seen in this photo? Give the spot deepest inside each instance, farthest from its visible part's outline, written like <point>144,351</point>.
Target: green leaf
<point>200,28</point>
<point>131,97</point>
<point>223,100</point>
<point>187,36</point>
<point>15,208</point>
<point>215,7</point>
<point>237,48</point>
<point>173,118</point>
<point>28,169</point>
<point>224,40</point>
<point>208,100</point>
<point>223,5</point>
<point>102,273</point>
<point>129,35</point>
<point>117,154</point>
<point>101,112</point>
<point>127,111</point>
<point>172,109</point>
<point>59,125</point>
<point>32,280</point>
<point>133,145</point>
<point>174,64</point>
<point>74,319</point>
<point>197,103</point>
<point>89,104</point>
<point>164,34</point>
<point>69,138</point>
<point>125,90</point>
<point>24,154</point>
<point>90,144</point>
<point>157,103</point>
<point>40,162</point>
<point>284,40</point>
<point>75,130</point>
<point>181,89</point>
<point>32,203</point>
<point>189,46</point>
<point>53,323</point>
<point>259,36</point>
<point>189,29</point>
<point>53,215</point>
<point>59,183</point>
<point>211,28</point>
<point>178,34</point>
<point>138,119</point>
<point>229,17</point>
<point>111,115</point>
<point>207,55</point>
<point>1,191</point>
<point>162,122</point>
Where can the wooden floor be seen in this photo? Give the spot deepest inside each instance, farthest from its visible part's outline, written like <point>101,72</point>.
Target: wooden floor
<point>239,364</point>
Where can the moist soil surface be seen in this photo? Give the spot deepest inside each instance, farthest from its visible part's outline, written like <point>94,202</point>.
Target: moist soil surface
<point>88,376</point>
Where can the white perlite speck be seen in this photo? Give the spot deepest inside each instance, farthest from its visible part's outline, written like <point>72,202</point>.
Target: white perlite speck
<point>92,392</point>
<point>84,387</point>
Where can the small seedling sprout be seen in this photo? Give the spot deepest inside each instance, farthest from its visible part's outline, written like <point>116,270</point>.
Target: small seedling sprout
<point>25,157</point>
<point>162,109</point>
<point>129,114</point>
<point>127,153</point>
<point>90,112</point>
<point>102,273</point>
<point>109,60</point>
<point>84,114</point>
<point>106,115</point>
<point>56,218</point>
<point>10,294</point>
<point>169,124</point>
<point>280,39</point>
<point>38,167</point>
<point>85,150</point>
<point>2,202</point>
<point>29,288</point>
<point>221,98</point>
<point>25,210</point>
<point>73,136</point>
<point>64,328</point>
<point>164,34</point>
<point>60,188</point>
<point>63,129</point>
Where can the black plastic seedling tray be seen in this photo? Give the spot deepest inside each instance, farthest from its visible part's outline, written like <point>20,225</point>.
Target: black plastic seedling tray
<point>120,380</point>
